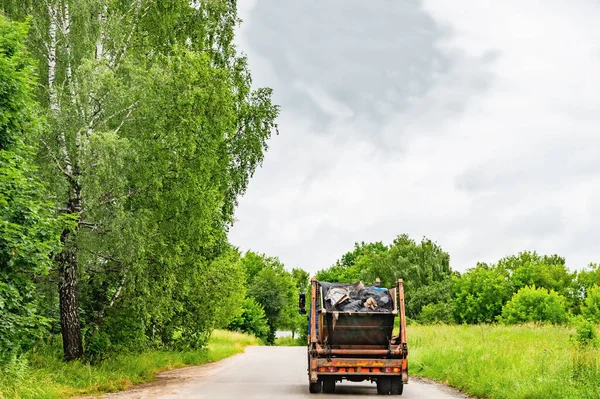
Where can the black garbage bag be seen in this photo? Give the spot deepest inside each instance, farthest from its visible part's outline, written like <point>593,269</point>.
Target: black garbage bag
<point>355,298</point>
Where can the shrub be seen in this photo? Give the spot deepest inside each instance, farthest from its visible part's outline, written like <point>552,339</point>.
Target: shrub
<point>433,313</point>
<point>479,295</point>
<point>585,333</point>
<point>252,320</point>
<point>531,304</point>
<point>591,307</point>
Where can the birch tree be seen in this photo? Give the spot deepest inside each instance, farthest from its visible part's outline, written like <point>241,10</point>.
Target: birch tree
<point>153,133</point>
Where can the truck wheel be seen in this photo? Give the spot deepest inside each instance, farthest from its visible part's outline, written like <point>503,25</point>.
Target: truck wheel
<point>329,385</point>
<point>397,386</point>
<point>314,387</point>
<point>384,385</point>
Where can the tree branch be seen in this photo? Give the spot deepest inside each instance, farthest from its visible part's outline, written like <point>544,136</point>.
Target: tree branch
<point>114,298</point>
<point>56,161</point>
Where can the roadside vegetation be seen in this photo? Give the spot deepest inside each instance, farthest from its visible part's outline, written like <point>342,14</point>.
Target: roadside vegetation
<point>523,327</point>
<point>47,376</point>
<point>499,361</point>
<point>128,133</point>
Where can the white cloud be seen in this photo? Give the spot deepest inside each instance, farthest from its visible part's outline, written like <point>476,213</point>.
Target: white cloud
<point>497,153</point>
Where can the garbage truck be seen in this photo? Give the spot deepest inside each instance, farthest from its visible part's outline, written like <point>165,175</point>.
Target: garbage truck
<point>351,336</point>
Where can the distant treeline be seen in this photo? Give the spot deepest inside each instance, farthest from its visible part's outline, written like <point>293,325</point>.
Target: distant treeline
<point>526,287</point>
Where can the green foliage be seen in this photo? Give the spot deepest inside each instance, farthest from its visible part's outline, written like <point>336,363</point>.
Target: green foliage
<point>424,267</point>
<point>585,333</point>
<point>276,290</point>
<point>440,312</point>
<point>509,362</point>
<point>346,268</point>
<point>29,231</point>
<point>531,304</point>
<point>16,75</point>
<point>301,280</point>
<point>290,341</point>
<point>530,269</point>
<point>253,320</point>
<point>272,288</point>
<point>152,132</point>
<point>588,277</point>
<point>591,307</point>
<point>480,294</point>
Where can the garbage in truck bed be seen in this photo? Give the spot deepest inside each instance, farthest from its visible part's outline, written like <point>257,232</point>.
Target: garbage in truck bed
<point>339,297</point>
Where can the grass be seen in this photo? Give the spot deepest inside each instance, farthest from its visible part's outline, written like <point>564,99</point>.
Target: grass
<point>496,361</point>
<point>47,377</point>
<point>289,341</point>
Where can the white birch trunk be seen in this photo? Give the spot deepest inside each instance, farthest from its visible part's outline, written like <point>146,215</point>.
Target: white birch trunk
<point>102,37</point>
<point>67,37</point>
<point>52,58</point>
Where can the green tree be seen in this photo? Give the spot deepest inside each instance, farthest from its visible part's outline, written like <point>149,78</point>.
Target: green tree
<point>153,133</point>
<point>297,323</point>
<point>424,267</point>
<point>480,294</point>
<point>301,279</point>
<point>591,306</point>
<point>29,233</point>
<point>274,289</point>
<point>346,269</point>
<point>544,271</point>
<point>531,304</point>
<point>253,320</point>
<point>589,276</point>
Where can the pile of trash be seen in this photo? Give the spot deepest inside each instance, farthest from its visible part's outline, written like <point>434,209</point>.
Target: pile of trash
<point>356,297</point>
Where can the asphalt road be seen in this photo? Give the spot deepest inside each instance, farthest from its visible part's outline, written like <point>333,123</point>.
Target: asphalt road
<point>265,373</point>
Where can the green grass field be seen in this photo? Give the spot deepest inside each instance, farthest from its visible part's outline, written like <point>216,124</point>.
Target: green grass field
<point>505,362</point>
<point>47,377</point>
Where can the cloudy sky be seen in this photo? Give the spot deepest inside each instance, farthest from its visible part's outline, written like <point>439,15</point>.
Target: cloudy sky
<point>474,123</point>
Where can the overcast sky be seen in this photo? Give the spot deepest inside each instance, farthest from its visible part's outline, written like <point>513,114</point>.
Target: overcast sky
<point>474,123</point>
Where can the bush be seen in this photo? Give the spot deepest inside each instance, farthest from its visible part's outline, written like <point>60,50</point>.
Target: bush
<point>585,333</point>
<point>480,294</point>
<point>591,307</point>
<point>531,304</point>
<point>433,313</point>
<point>252,320</point>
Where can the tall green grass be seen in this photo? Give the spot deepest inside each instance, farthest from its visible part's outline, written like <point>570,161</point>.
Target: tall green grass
<point>48,377</point>
<point>496,361</point>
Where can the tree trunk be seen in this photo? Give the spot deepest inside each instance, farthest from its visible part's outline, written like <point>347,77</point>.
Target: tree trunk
<point>69,306</point>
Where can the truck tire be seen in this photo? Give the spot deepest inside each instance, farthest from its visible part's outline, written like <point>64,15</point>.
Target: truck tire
<point>329,385</point>
<point>384,385</point>
<point>397,386</point>
<point>314,387</point>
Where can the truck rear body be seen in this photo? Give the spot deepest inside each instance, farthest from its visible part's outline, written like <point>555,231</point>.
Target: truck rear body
<point>357,345</point>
